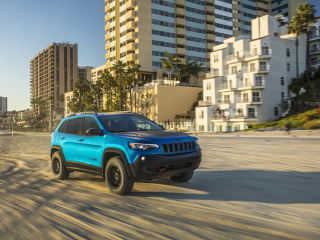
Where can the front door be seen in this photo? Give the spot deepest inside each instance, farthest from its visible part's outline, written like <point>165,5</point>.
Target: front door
<point>90,150</point>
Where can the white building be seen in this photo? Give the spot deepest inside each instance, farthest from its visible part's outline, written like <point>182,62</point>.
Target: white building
<point>249,78</point>
<point>96,73</point>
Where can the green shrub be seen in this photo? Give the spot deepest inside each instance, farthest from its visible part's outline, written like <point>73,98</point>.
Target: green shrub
<point>313,124</point>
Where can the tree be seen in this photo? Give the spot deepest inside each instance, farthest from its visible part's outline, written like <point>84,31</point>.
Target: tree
<point>96,89</point>
<point>119,70</point>
<point>133,70</point>
<point>109,84</point>
<point>169,63</point>
<point>76,103</point>
<point>189,69</point>
<point>300,24</point>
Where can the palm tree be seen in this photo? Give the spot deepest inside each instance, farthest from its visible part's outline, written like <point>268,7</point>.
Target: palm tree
<point>108,84</point>
<point>169,63</point>
<point>119,72</point>
<point>80,87</point>
<point>301,23</point>
<point>97,92</point>
<point>133,70</point>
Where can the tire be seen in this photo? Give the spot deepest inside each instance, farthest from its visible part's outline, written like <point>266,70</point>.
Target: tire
<point>117,177</point>
<point>183,177</point>
<point>58,168</point>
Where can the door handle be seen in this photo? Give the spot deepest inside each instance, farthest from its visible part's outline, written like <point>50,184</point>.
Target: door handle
<point>62,138</point>
<point>80,140</point>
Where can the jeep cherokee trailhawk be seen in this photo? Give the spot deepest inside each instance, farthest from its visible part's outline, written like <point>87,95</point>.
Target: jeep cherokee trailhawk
<point>122,147</point>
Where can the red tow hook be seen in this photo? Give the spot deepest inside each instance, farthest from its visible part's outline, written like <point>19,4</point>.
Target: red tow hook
<point>161,169</point>
<point>196,163</point>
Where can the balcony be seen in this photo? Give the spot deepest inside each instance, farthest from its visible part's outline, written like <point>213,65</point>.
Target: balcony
<point>180,11</point>
<point>180,2</point>
<point>210,27</point>
<point>107,56</point>
<point>264,69</point>
<point>229,116</point>
<point>234,58</point>
<point>130,4</point>
<point>314,50</point>
<point>181,41</point>
<point>265,53</point>
<point>210,36</point>
<point>181,31</point>
<point>202,103</point>
<point>131,25</point>
<point>131,46</point>
<point>257,84</point>
<point>107,8</point>
<point>107,27</point>
<point>210,18</point>
<point>107,36</point>
<point>107,46</point>
<point>256,100</point>
<point>130,15</point>
<point>180,22</point>
<point>314,37</point>
<point>210,9</point>
<point>227,86</point>
<point>131,57</point>
<point>181,51</point>
<point>131,36</point>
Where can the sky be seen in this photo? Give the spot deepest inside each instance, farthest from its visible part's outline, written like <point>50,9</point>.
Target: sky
<point>27,27</point>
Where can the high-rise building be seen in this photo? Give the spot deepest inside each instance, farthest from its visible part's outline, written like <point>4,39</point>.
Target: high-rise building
<point>286,8</point>
<point>143,30</point>
<point>3,104</point>
<point>314,44</point>
<point>53,72</point>
<point>84,73</point>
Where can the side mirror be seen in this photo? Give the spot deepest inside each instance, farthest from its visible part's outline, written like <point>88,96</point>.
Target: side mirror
<point>94,131</point>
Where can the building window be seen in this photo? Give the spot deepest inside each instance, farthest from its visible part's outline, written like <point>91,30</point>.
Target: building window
<point>251,113</point>
<point>282,96</point>
<point>216,58</point>
<point>215,72</point>
<point>201,115</point>
<point>282,81</point>
<point>209,86</point>
<point>276,112</point>
<point>201,128</point>
<point>252,67</point>
<point>288,52</point>
<point>288,66</point>
<point>233,69</point>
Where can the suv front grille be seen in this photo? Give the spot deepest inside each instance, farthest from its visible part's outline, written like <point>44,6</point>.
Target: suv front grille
<point>178,147</point>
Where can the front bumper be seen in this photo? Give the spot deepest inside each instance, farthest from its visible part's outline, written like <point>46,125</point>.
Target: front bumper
<point>158,165</point>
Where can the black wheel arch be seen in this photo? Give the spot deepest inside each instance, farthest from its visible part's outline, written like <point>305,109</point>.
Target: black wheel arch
<point>58,148</point>
<point>108,153</point>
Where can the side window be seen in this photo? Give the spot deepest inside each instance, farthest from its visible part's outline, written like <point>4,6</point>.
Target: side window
<point>63,127</point>
<point>89,122</point>
<point>74,125</point>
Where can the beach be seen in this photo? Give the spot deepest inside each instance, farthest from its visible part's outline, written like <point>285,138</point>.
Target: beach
<point>250,185</point>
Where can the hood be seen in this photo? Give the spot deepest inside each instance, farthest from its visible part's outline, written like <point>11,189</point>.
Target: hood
<point>152,135</point>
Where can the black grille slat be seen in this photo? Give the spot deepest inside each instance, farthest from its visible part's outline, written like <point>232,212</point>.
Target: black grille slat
<point>193,145</point>
<point>170,147</point>
<point>185,146</point>
<point>176,147</point>
<point>165,148</point>
<point>189,146</point>
<point>180,147</point>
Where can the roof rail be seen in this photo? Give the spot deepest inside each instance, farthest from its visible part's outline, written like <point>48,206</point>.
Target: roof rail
<point>82,113</point>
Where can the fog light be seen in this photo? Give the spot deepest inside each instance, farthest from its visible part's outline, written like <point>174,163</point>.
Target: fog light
<point>143,158</point>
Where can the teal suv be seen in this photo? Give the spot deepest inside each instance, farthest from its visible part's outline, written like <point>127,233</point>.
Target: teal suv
<point>122,147</point>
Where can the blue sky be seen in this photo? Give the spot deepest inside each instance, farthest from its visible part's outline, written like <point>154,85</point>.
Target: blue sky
<point>27,27</point>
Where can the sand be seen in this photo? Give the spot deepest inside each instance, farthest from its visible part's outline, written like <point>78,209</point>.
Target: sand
<point>250,185</point>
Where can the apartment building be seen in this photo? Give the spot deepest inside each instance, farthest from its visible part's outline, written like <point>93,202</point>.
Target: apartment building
<point>314,44</point>
<point>3,104</point>
<point>143,30</point>
<point>161,100</point>
<point>53,72</point>
<point>250,78</point>
<point>84,73</point>
<point>96,73</point>
<point>286,8</point>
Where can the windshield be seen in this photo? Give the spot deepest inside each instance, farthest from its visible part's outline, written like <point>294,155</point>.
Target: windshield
<point>128,123</point>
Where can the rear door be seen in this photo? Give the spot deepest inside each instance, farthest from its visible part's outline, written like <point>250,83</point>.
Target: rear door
<point>90,151</point>
<point>70,141</point>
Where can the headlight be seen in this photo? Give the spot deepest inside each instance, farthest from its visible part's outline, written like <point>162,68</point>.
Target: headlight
<point>143,146</point>
<point>198,145</point>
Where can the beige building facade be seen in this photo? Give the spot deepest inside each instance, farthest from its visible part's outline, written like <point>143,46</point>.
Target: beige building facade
<point>53,72</point>
<point>84,73</point>
<point>96,73</point>
<point>162,100</point>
